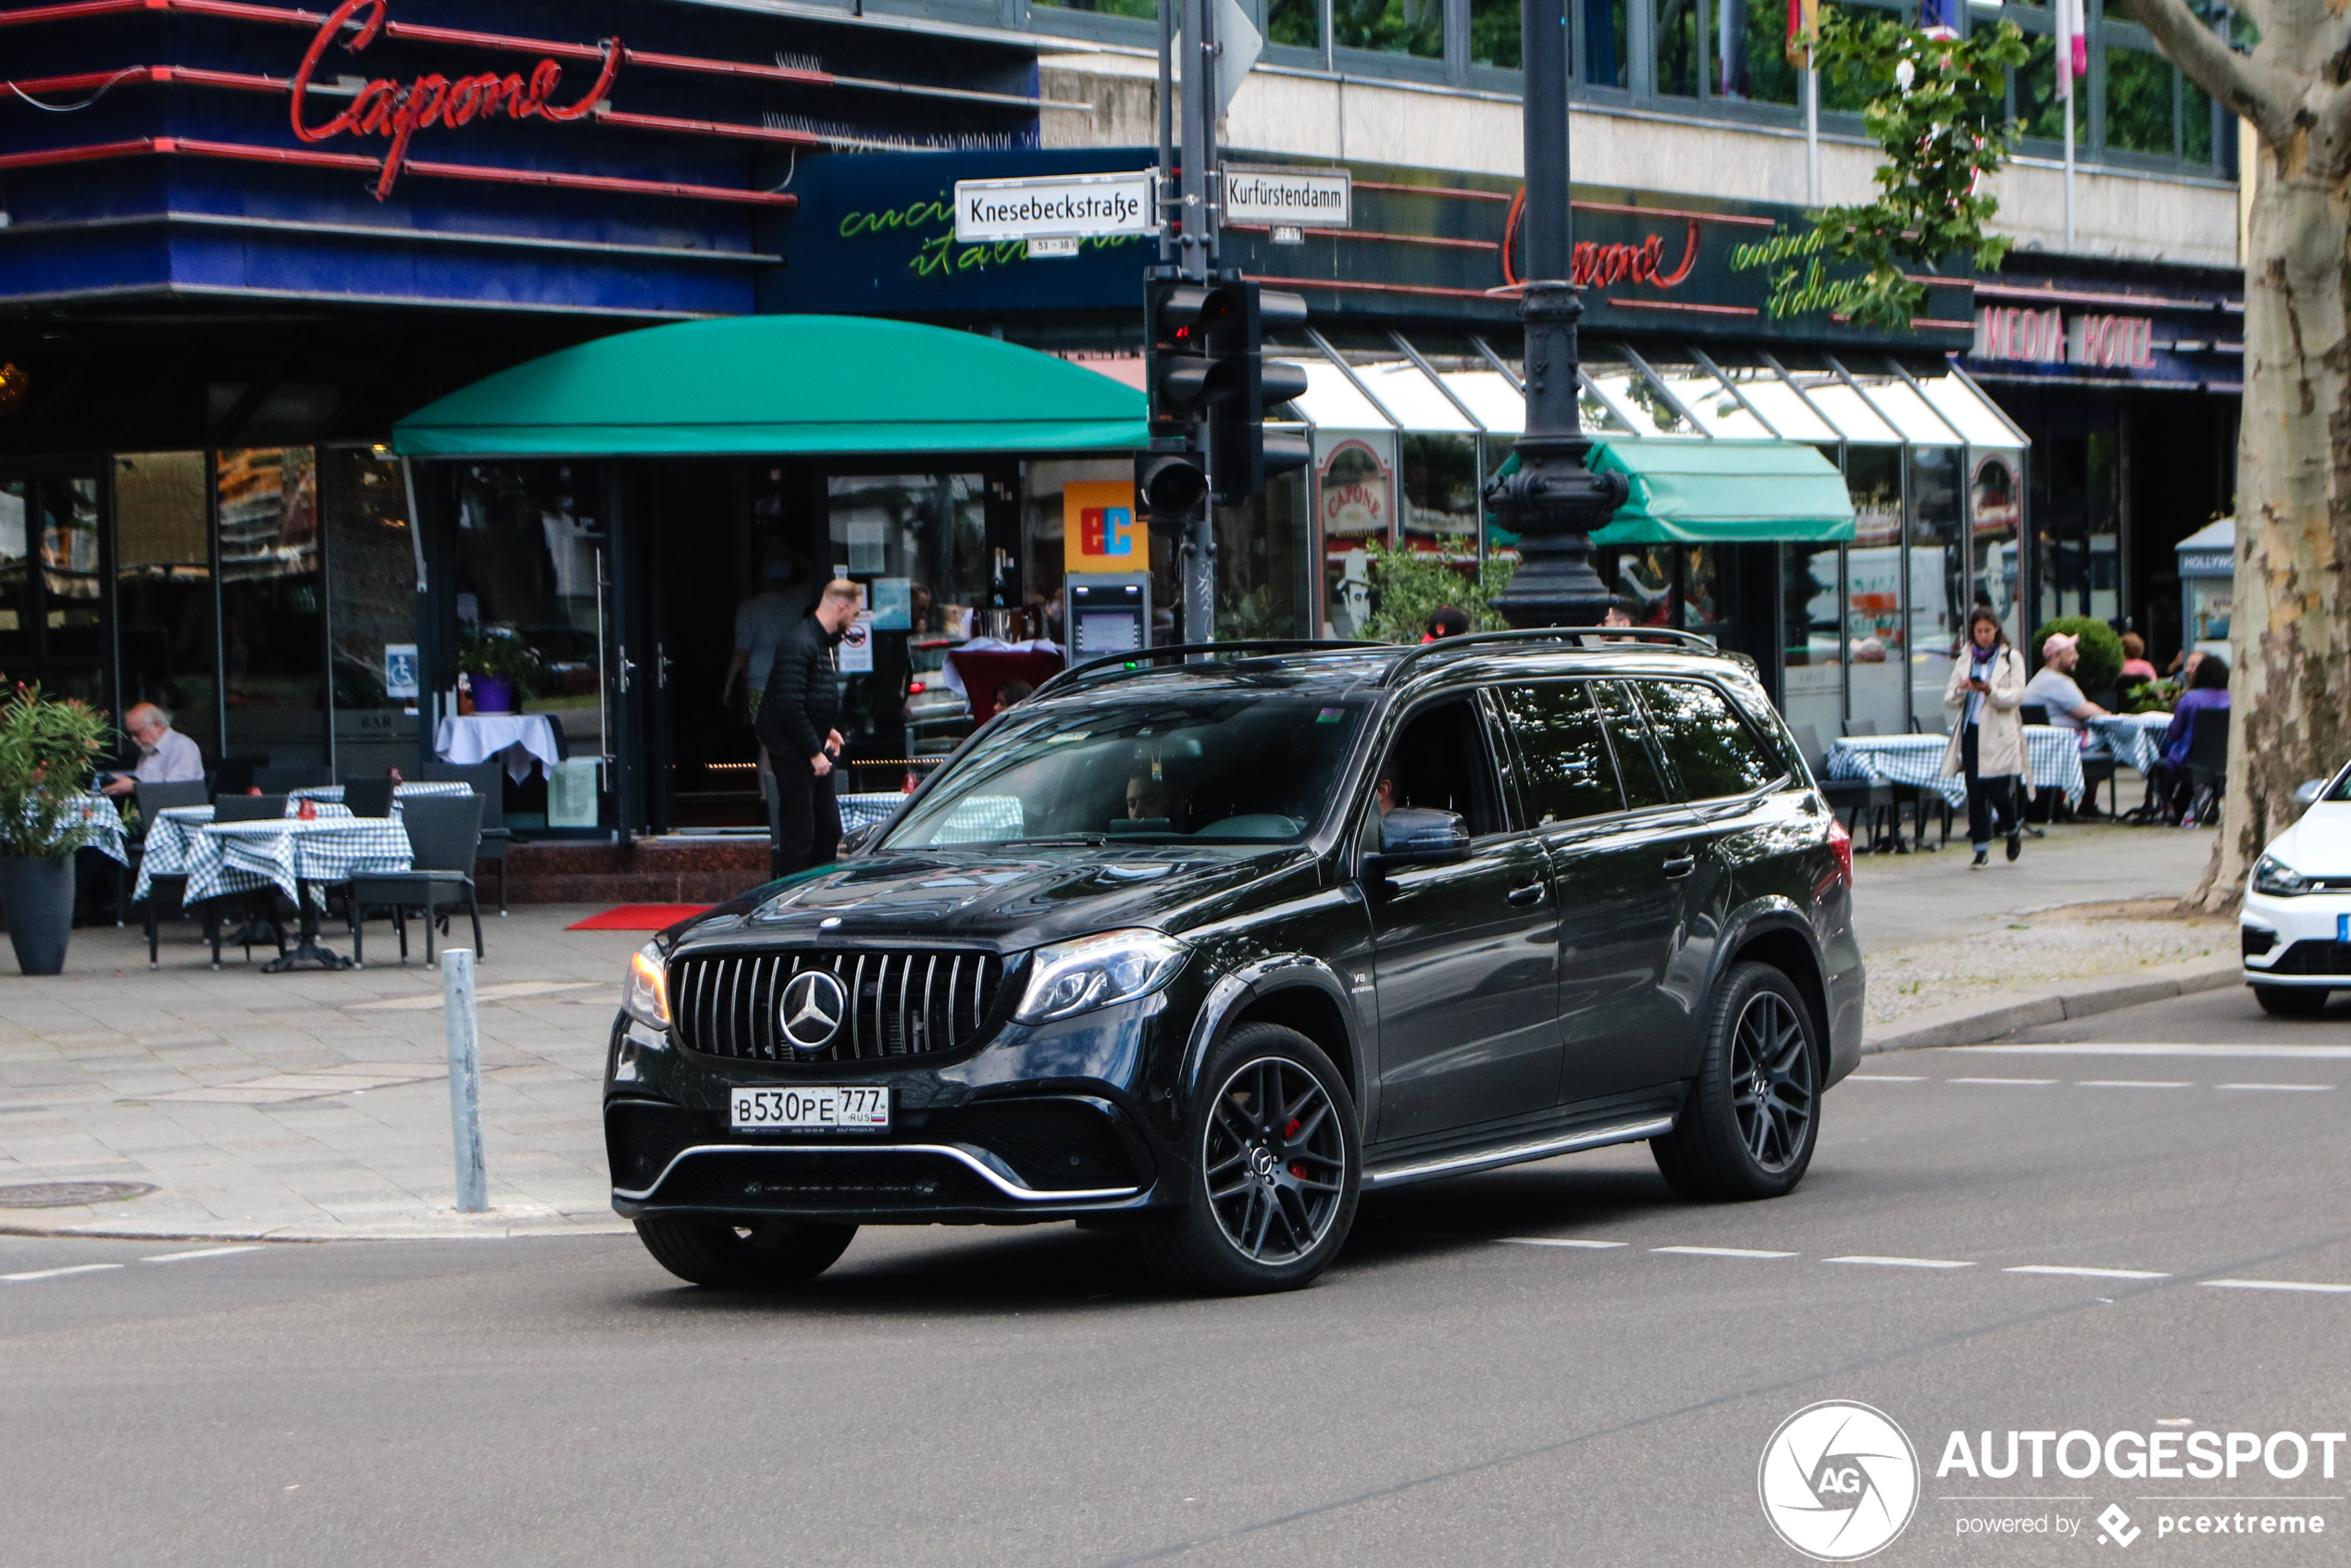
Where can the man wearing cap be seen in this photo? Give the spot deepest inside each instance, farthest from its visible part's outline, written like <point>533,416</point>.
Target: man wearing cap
<point>2054,687</point>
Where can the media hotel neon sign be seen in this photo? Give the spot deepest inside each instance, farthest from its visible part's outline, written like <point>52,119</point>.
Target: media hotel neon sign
<point>385,108</point>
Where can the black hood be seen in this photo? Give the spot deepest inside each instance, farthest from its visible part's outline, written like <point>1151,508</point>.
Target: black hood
<point>994,897</point>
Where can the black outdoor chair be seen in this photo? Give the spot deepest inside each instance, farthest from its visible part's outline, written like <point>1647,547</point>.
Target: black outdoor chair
<point>444,834</point>
<point>367,797</point>
<point>2208,762</point>
<point>234,775</point>
<point>487,780</point>
<point>2033,713</point>
<point>153,798</point>
<point>293,776</point>
<point>1865,801</point>
<point>260,906</point>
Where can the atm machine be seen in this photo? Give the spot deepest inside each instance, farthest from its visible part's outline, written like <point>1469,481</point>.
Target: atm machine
<point>1107,613</point>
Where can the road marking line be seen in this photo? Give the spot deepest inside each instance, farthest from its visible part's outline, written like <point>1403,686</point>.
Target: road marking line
<point>2287,1088</point>
<point>2104,1048</point>
<point>1883,1078</point>
<point>2276,1285</point>
<point>2021,1082</point>
<point>2086,1273</point>
<point>1722,1252</point>
<point>1901,1262</point>
<point>1557,1241</point>
<point>55,1273</point>
<point>2131,1083</point>
<point>200,1253</point>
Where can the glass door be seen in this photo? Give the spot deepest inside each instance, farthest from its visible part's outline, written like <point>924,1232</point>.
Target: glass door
<point>53,600</point>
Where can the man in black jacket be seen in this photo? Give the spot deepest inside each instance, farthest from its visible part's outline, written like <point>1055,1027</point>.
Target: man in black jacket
<point>798,712</point>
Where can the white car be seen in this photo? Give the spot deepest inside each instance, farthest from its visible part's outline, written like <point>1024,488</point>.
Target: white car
<point>2296,922</point>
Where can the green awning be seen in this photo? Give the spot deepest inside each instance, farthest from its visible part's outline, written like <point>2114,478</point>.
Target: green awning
<point>761,385</point>
<point>1724,492</point>
<point>1720,492</point>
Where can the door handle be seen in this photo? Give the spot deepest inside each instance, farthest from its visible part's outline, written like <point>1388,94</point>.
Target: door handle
<point>1528,896</point>
<point>1681,867</point>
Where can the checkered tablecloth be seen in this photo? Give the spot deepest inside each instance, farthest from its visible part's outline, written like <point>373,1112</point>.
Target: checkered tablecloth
<point>978,820</point>
<point>96,809</point>
<point>2054,757</point>
<point>183,842</point>
<point>423,787</point>
<point>2136,740</point>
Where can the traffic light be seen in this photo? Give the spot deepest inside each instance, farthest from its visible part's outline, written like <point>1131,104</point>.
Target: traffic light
<point>1242,386</point>
<point>1176,362</point>
<point>1171,483</point>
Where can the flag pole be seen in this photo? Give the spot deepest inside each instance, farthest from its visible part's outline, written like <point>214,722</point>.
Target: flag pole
<point>2068,165</point>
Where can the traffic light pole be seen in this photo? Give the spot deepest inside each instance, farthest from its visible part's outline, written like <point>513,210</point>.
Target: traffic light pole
<point>1196,257</point>
<point>1553,502</point>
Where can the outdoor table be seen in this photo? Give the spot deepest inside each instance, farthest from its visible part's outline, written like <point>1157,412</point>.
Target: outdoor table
<point>98,810</point>
<point>423,787</point>
<point>295,856</point>
<point>2053,757</point>
<point>980,819</point>
<point>522,740</point>
<point>2135,739</point>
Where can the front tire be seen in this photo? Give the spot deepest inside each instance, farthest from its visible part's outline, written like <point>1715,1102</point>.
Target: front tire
<point>2291,1002</point>
<point>1752,1119</point>
<point>1271,1186</point>
<point>759,1255</point>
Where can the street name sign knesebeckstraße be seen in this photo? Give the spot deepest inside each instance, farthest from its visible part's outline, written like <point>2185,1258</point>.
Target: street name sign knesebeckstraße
<point>1054,207</point>
<point>1310,198</point>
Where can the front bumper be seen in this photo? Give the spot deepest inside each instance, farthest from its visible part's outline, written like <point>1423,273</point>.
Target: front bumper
<point>2297,942</point>
<point>1040,1124</point>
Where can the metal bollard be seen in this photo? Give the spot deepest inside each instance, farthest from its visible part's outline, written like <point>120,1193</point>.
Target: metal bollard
<point>465,1080</point>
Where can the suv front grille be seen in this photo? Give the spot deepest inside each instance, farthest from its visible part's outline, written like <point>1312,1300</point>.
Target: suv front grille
<point>901,1004</point>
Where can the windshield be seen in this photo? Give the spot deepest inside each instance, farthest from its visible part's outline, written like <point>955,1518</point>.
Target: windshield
<point>1233,769</point>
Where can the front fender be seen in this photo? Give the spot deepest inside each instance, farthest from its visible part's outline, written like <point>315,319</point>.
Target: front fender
<point>1237,989</point>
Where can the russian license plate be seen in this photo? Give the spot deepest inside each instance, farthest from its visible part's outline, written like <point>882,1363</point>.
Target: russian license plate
<point>787,1110</point>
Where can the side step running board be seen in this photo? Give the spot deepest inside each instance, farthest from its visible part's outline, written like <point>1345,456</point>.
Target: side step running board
<point>1516,1153</point>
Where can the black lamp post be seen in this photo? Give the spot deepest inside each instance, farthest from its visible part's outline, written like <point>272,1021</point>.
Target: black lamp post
<point>1553,502</point>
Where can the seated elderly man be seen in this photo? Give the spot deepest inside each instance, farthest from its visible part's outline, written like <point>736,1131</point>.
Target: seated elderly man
<point>165,756</point>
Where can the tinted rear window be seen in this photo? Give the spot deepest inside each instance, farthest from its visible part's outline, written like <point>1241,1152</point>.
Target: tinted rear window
<point>1709,745</point>
<point>1636,768</point>
<point>1565,771</point>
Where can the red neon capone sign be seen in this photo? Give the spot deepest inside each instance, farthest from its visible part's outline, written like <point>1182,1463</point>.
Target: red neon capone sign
<point>385,108</point>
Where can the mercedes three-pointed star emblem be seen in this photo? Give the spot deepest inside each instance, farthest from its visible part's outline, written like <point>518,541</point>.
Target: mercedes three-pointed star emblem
<point>812,1009</point>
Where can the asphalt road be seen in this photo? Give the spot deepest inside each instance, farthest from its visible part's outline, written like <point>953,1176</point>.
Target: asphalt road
<point>1452,1392</point>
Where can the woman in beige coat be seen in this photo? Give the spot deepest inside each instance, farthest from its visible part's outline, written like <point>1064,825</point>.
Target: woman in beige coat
<point>1987,741</point>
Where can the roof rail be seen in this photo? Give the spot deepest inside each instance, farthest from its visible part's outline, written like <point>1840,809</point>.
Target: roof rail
<point>1117,662</point>
<point>1580,636</point>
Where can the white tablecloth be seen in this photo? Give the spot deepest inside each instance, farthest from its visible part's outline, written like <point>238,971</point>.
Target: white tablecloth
<point>2052,755</point>
<point>2134,739</point>
<point>522,739</point>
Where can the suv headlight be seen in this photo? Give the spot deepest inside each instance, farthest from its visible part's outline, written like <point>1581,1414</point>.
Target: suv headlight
<point>2275,877</point>
<point>646,997</point>
<point>1067,978</point>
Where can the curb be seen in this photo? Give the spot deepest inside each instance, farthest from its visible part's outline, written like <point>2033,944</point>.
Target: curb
<point>1974,1024</point>
<point>495,1228</point>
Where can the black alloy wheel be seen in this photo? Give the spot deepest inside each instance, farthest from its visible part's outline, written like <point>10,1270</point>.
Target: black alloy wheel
<point>1752,1119</point>
<point>1272,1193</point>
<point>2291,1002</point>
<point>767,1254</point>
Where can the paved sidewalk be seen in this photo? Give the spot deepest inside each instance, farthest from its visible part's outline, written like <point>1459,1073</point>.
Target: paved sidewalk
<point>309,1105</point>
<point>315,1106</point>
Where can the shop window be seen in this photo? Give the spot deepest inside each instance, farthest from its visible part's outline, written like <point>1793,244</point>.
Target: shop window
<point>372,600</point>
<point>1876,645</point>
<point>530,541</point>
<point>923,535</point>
<point>1942,574</point>
<point>1440,493</point>
<point>1495,33</point>
<point>2138,102</point>
<point>1994,482</point>
<point>166,647</point>
<point>272,617</point>
<point>1703,610</point>
<point>1812,661</point>
<point>1297,24</point>
<point>52,605</point>
<point>1392,27</point>
<point>1644,579</point>
<point>1261,566</point>
<point>1355,506</point>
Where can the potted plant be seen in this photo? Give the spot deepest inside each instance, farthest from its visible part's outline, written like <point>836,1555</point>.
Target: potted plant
<point>48,750</point>
<point>500,667</point>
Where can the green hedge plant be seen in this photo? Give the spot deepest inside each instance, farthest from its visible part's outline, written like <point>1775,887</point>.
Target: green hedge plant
<point>2101,666</point>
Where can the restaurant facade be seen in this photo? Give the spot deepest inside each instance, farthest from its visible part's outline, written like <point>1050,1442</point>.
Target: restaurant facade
<point>241,472</point>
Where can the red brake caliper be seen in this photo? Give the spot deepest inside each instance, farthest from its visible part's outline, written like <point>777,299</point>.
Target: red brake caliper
<point>1297,1167</point>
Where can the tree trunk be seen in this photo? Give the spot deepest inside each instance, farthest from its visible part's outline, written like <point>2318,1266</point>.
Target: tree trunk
<point>2291,683</point>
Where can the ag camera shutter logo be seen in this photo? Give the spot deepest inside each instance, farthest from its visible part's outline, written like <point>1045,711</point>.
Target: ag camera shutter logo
<point>1840,1481</point>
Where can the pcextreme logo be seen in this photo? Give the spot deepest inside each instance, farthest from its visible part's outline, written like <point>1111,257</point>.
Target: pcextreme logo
<point>1840,1481</point>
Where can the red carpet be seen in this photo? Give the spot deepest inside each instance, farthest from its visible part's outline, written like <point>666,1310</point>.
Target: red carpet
<point>639,917</point>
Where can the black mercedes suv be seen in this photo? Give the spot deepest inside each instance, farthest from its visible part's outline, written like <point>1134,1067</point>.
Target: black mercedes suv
<point>1200,949</point>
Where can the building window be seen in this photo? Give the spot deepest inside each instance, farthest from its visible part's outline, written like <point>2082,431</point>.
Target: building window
<point>2139,93</point>
<point>372,610</point>
<point>1494,33</point>
<point>1143,8</point>
<point>272,615</point>
<point>162,591</point>
<point>1749,38</point>
<point>1607,42</point>
<point>1297,24</point>
<point>1390,26</point>
<point>1681,61</point>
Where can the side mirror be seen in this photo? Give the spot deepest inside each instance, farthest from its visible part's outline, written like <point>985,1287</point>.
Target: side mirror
<point>1411,836</point>
<point>2308,792</point>
<point>856,839</point>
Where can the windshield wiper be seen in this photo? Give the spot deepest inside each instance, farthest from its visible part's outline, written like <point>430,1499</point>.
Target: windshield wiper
<point>1085,840</point>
